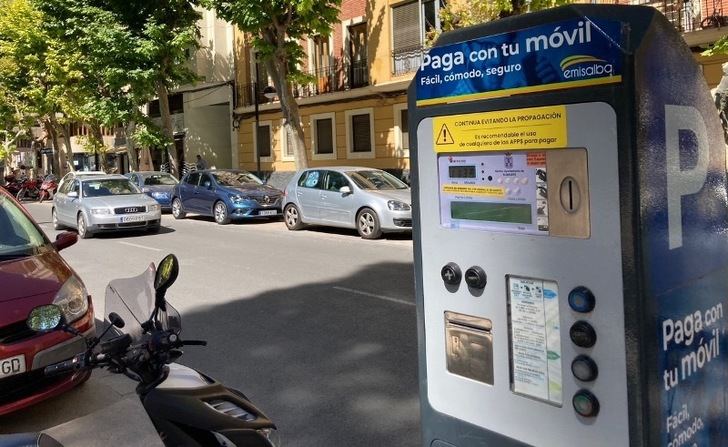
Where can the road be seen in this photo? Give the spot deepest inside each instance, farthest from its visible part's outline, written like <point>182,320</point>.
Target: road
<point>317,327</point>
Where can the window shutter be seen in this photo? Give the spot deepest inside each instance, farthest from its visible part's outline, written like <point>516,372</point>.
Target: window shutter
<point>324,137</point>
<point>406,26</point>
<point>362,141</point>
<point>263,141</point>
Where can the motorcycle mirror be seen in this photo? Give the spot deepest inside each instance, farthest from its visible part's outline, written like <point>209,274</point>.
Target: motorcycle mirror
<point>45,318</point>
<point>116,320</point>
<point>167,272</point>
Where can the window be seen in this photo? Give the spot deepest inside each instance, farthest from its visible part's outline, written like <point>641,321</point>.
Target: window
<point>358,70</point>
<point>193,179</point>
<point>323,127</point>
<point>311,179</point>
<point>401,130</point>
<point>205,180</point>
<point>321,64</point>
<point>360,133</point>
<point>335,181</point>
<point>262,141</point>
<point>287,143</point>
<point>411,24</point>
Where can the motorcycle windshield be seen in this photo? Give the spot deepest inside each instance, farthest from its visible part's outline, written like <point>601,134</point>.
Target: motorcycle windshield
<point>133,300</point>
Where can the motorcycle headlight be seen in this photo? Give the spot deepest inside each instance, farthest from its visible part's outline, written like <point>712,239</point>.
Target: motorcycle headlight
<point>98,211</point>
<point>396,205</point>
<point>72,299</point>
<point>155,207</point>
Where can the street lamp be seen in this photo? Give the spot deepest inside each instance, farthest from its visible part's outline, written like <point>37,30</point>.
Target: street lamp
<point>269,92</point>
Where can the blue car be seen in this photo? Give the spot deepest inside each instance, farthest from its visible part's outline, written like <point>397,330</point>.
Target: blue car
<point>155,184</point>
<point>225,194</point>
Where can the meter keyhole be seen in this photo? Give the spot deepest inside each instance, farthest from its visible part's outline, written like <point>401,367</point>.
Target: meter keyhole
<point>570,195</point>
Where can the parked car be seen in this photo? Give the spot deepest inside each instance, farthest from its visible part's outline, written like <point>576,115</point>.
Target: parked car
<point>225,194</point>
<point>32,273</point>
<point>78,174</point>
<point>368,199</point>
<point>104,203</point>
<point>155,184</point>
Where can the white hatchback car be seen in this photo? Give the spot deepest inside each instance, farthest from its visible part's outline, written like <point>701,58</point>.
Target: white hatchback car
<point>368,199</point>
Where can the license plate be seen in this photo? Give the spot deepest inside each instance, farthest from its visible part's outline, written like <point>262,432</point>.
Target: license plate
<point>267,212</point>
<point>132,218</point>
<point>12,366</point>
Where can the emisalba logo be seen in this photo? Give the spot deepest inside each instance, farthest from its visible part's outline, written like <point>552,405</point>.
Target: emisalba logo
<point>585,66</point>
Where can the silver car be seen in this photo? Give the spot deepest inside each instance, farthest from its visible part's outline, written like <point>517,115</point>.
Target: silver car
<point>104,203</point>
<point>368,199</point>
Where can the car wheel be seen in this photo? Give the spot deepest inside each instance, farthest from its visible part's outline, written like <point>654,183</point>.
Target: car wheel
<point>54,217</point>
<point>292,217</point>
<point>177,210</point>
<point>82,227</point>
<point>220,212</point>
<point>367,224</point>
<point>19,196</point>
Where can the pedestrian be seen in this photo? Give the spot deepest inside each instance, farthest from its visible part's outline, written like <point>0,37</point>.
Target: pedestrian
<point>721,100</point>
<point>201,163</point>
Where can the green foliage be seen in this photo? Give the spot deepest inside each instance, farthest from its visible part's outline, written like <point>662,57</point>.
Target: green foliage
<point>149,135</point>
<point>719,47</point>
<point>277,26</point>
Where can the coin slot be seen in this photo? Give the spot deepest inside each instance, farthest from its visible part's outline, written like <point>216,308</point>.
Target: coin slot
<point>570,195</point>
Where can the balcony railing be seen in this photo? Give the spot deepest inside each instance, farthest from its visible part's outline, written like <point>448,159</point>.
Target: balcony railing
<point>686,15</point>
<point>407,59</point>
<point>337,77</point>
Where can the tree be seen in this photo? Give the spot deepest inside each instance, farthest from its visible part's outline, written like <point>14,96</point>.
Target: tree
<point>277,27</point>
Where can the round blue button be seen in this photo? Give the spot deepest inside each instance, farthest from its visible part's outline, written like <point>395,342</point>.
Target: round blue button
<point>582,299</point>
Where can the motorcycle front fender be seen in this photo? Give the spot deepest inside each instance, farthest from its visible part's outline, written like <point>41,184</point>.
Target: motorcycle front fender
<point>188,408</point>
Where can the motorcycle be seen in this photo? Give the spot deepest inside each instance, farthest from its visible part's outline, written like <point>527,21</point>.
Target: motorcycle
<point>48,188</point>
<point>29,189</point>
<point>186,407</point>
<point>12,184</point>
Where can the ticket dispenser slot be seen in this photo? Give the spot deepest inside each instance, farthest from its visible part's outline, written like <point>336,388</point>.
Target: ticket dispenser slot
<point>469,342</point>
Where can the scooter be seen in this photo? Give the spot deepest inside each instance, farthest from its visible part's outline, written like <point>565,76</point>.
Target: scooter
<point>187,407</point>
<point>29,189</point>
<point>48,188</point>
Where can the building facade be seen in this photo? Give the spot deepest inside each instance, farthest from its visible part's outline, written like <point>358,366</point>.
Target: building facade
<point>355,110</point>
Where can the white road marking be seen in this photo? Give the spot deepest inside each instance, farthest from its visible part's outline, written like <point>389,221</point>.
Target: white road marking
<point>140,246</point>
<point>373,295</point>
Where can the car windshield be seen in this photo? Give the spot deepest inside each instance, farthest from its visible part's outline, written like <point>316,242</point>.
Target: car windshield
<point>18,236</point>
<point>374,179</point>
<point>159,179</point>
<point>108,187</point>
<point>234,179</point>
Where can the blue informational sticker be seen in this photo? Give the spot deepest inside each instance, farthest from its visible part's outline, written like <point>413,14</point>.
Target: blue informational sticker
<point>684,241</point>
<point>574,53</point>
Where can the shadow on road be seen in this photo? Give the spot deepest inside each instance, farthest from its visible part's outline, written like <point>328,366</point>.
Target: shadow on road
<point>331,367</point>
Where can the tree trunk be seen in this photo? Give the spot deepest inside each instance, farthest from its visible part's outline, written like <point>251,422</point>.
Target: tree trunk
<point>59,159</point>
<point>131,152</point>
<point>167,130</point>
<point>289,107</point>
<point>66,162</point>
<point>99,146</point>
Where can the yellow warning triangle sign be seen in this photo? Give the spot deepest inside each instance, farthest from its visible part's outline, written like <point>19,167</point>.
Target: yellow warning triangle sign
<point>444,136</point>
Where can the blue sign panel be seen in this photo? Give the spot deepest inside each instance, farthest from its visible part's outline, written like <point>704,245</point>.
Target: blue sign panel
<point>573,53</point>
<point>684,214</point>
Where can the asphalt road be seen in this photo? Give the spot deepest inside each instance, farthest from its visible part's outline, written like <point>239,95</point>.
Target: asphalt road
<point>317,327</point>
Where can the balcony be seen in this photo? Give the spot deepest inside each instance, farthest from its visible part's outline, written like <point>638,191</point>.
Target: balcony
<point>686,15</point>
<point>406,60</point>
<point>339,77</point>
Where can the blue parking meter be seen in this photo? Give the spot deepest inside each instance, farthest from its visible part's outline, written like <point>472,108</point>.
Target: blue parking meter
<point>571,235</point>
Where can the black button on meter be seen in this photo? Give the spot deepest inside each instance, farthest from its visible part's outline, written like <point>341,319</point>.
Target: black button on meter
<point>582,300</point>
<point>584,368</point>
<point>475,277</point>
<point>583,334</point>
<point>451,274</point>
<point>585,404</point>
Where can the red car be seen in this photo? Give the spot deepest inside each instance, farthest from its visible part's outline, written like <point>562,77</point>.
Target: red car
<point>33,273</point>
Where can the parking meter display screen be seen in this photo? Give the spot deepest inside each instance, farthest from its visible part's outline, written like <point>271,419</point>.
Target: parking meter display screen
<point>494,191</point>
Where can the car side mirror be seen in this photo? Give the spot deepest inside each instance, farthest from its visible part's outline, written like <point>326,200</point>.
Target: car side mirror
<point>345,190</point>
<point>65,240</point>
<point>72,195</point>
<point>207,185</point>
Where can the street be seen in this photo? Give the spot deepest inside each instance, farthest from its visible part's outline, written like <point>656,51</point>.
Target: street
<point>317,327</point>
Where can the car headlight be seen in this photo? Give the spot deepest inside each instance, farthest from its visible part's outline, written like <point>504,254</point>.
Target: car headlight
<point>100,211</point>
<point>396,205</point>
<point>72,299</point>
<point>158,194</point>
<point>237,198</point>
<point>154,207</point>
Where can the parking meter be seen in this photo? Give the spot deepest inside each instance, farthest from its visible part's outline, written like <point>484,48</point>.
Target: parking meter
<point>571,235</point>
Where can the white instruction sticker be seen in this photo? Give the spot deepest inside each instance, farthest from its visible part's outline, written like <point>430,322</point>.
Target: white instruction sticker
<point>535,338</point>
